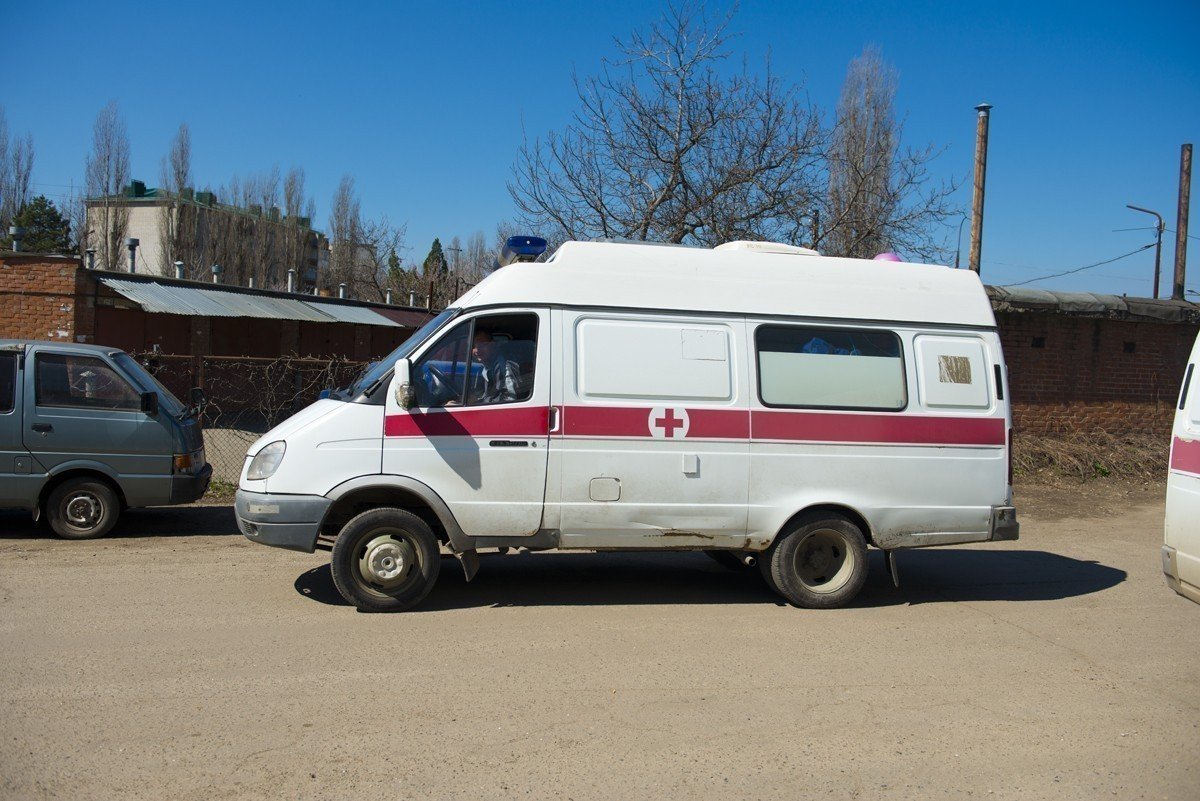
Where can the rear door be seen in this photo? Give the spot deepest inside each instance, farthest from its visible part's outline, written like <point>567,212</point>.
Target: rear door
<point>18,483</point>
<point>1183,482</point>
<point>80,408</point>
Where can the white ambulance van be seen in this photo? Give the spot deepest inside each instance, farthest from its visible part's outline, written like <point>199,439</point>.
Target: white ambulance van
<point>756,401</point>
<point>1181,537</point>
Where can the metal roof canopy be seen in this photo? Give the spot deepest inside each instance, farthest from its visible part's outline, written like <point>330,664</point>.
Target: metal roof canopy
<point>204,302</point>
<point>358,315</point>
<point>1008,299</point>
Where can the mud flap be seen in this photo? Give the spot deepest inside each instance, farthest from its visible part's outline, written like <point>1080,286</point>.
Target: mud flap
<point>470,562</point>
<point>889,558</point>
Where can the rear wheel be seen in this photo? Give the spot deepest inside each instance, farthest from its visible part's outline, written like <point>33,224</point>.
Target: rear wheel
<point>818,564</point>
<point>82,509</point>
<point>385,560</point>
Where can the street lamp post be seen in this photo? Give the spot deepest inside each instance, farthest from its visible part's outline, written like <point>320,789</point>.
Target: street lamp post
<point>1158,230</point>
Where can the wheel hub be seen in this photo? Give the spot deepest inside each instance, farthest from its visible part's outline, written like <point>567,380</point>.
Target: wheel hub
<point>83,510</point>
<point>821,561</point>
<point>387,561</point>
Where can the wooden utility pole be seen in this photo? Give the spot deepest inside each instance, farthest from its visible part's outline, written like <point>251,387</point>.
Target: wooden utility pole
<point>981,146</point>
<point>1181,222</point>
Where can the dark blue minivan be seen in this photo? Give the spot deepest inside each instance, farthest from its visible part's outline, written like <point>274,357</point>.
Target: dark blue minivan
<point>86,431</point>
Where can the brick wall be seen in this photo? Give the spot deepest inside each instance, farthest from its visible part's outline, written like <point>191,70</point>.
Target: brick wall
<point>38,297</point>
<point>1071,374</point>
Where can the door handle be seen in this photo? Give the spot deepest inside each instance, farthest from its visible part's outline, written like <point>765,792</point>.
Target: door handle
<point>553,420</point>
<point>42,428</point>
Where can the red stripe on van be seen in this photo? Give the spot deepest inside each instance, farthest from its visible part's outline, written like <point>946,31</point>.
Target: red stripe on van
<point>478,422</point>
<point>1185,455</point>
<point>623,421</point>
<point>899,429</point>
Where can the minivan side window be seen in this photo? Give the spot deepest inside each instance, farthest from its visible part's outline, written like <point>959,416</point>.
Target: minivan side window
<point>8,382</point>
<point>481,362</point>
<point>830,368</point>
<point>82,382</point>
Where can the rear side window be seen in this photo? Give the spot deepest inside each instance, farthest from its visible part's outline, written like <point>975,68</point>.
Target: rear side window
<point>8,382</point>
<point>830,368</point>
<point>83,382</point>
<point>953,372</point>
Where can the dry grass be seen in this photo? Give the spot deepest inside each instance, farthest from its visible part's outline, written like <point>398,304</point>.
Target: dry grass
<point>1094,454</point>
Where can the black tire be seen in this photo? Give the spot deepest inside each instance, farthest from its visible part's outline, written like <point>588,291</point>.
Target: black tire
<point>82,509</point>
<point>385,560</point>
<point>727,559</point>
<point>818,563</point>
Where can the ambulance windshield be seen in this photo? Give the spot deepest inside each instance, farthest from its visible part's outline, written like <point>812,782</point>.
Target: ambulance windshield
<point>377,371</point>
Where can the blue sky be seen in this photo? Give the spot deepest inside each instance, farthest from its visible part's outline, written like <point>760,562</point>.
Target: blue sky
<point>425,104</point>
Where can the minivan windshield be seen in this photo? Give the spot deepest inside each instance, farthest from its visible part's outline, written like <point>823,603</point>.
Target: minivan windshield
<point>148,383</point>
<point>382,367</point>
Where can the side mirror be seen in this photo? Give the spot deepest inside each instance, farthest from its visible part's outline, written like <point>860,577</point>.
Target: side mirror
<point>198,400</point>
<point>406,393</point>
<point>150,403</point>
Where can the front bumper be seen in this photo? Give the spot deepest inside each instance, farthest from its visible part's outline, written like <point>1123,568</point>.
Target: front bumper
<point>283,521</point>
<point>185,488</point>
<point>1004,525</point>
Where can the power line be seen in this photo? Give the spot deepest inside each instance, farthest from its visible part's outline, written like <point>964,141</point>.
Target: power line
<point>1085,267</point>
<point>1150,228</point>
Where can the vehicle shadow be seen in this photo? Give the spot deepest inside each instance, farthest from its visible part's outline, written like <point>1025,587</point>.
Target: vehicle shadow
<point>158,521</point>
<point>558,579</point>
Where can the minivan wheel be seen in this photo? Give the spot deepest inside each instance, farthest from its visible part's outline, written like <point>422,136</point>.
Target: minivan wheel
<point>82,509</point>
<point>385,560</point>
<point>819,564</point>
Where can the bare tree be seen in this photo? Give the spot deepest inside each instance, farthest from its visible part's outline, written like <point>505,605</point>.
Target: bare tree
<point>176,177</point>
<point>22,170</point>
<point>345,233</point>
<point>880,196</point>
<point>378,241</point>
<point>7,209</point>
<point>664,147</point>
<point>107,173</point>
<point>298,212</point>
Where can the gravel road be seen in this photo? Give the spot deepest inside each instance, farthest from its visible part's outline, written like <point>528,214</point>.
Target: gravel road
<point>178,660</point>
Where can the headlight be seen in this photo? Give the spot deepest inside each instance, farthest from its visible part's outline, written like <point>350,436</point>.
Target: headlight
<point>266,462</point>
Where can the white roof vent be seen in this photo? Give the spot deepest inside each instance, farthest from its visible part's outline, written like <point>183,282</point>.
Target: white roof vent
<point>767,247</point>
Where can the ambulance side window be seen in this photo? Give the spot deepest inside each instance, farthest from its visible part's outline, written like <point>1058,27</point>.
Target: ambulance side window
<point>483,361</point>
<point>952,372</point>
<point>440,373</point>
<point>830,368</point>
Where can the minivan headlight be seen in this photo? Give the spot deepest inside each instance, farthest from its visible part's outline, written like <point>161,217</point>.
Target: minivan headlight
<point>266,462</point>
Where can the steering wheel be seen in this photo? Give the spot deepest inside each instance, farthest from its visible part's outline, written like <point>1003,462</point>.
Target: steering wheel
<point>441,384</point>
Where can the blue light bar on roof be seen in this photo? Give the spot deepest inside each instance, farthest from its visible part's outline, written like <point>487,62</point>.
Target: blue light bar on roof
<point>521,248</point>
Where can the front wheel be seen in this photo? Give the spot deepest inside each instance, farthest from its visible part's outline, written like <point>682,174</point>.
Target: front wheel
<point>82,509</point>
<point>385,560</point>
<point>818,564</point>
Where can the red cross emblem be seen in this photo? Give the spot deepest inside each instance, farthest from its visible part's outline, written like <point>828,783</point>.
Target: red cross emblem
<point>668,423</point>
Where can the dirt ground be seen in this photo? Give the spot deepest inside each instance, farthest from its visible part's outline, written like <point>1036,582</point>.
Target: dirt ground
<point>178,660</point>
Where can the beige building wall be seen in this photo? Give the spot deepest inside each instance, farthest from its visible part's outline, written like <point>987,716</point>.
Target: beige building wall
<point>145,219</point>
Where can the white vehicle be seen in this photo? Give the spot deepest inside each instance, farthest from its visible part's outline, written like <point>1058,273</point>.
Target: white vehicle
<point>1181,536</point>
<point>755,401</point>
